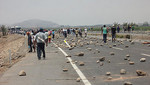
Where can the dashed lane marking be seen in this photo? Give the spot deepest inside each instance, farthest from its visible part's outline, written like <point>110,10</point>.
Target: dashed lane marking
<point>117,48</point>
<point>145,54</point>
<point>84,79</point>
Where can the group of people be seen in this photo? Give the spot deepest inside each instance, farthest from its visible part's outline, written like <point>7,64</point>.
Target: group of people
<point>105,31</point>
<point>74,31</point>
<point>38,39</point>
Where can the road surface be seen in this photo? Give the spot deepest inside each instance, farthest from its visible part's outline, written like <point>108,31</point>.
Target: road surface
<point>50,71</point>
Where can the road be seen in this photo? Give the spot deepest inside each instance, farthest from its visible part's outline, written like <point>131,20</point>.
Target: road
<point>49,71</point>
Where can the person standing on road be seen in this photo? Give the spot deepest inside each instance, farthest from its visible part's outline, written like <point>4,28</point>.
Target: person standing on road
<point>113,33</point>
<point>76,32</point>
<point>104,32</point>
<point>53,34</point>
<point>85,31</point>
<point>118,29</point>
<point>29,41</point>
<point>41,39</point>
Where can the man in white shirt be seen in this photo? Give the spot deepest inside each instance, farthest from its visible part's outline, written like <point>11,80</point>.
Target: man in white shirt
<point>41,39</point>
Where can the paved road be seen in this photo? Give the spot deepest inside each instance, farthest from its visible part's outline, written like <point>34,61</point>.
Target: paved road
<point>49,71</point>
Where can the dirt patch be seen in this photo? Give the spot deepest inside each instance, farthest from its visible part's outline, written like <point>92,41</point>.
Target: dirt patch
<point>14,42</point>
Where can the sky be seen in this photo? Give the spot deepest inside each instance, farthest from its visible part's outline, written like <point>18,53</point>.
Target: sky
<point>75,12</point>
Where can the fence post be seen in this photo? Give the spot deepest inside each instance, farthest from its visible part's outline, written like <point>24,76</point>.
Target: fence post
<point>9,56</point>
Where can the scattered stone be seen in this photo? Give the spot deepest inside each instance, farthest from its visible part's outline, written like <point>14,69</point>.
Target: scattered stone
<point>22,73</point>
<point>80,54</point>
<point>122,71</point>
<point>102,59</point>
<point>68,56</point>
<point>127,83</point>
<point>126,46</point>
<point>108,73</point>
<point>132,43</point>
<point>76,61</point>
<point>101,44</point>
<point>108,61</point>
<point>101,63</point>
<point>89,49</point>
<point>97,61</point>
<point>125,58</point>
<point>142,59</point>
<point>67,61</point>
<point>140,73</point>
<point>71,48</point>
<point>114,45</point>
<point>81,64</point>
<point>65,70</point>
<point>112,53</point>
<point>94,77</point>
<point>109,78</point>
<point>127,55</point>
<point>78,80</point>
<point>131,63</point>
<point>110,46</point>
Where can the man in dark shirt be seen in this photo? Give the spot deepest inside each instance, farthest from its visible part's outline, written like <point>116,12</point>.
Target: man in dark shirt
<point>113,32</point>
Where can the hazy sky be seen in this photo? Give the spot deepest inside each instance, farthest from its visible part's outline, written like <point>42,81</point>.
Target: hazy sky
<point>75,12</point>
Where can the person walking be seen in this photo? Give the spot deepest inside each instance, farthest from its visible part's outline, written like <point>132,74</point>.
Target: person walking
<point>41,39</point>
<point>85,31</point>
<point>104,32</point>
<point>29,41</point>
<point>113,33</point>
<point>53,34</point>
<point>76,32</point>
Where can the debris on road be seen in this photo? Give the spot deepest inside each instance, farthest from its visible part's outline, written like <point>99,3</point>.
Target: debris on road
<point>122,71</point>
<point>81,64</point>
<point>112,53</point>
<point>127,83</point>
<point>109,78</point>
<point>131,63</point>
<point>142,59</point>
<point>78,80</point>
<point>80,54</point>
<point>65,70</point>
<point>22,73</point>
<point>140,73</point>
<point>108,73</point>
<point>102,59</point>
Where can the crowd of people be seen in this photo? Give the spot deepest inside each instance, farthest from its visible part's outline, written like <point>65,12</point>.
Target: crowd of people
<point>39,38</point>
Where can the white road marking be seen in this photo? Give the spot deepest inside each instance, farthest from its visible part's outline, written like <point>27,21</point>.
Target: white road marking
<point>67,43</point>
<point>145,54</point>
<point>117,48</point>
<point>84,79</point>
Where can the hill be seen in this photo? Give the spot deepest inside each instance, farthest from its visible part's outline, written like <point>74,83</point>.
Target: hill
<point>36,23</point>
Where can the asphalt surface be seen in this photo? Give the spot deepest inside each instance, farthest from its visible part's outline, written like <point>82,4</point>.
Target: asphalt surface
<point>49,71</point>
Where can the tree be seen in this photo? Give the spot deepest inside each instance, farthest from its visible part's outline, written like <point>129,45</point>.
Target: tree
<point>4,30</point>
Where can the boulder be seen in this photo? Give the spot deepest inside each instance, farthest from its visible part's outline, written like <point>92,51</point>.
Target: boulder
<point>114,45</point>
<point>80,54</point>
<point>97,61</point>
<point>126,46</point>
<point>101,63</point>
<point>112,53</point>
<point>109,78</point>
<point>102,59</point>
<point>22,73</point>
<point>127,83</point>
<point>89,49</point>
<point>122,71</point>
<point>131,63</point>
<point>68,56</point>
<point>140,73</point>
<point>108,73</point>
<point>127,55</point>
<point>65,70</point>
<point>81,64</point>
<point>78,80</point>
<point>142,59</point>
